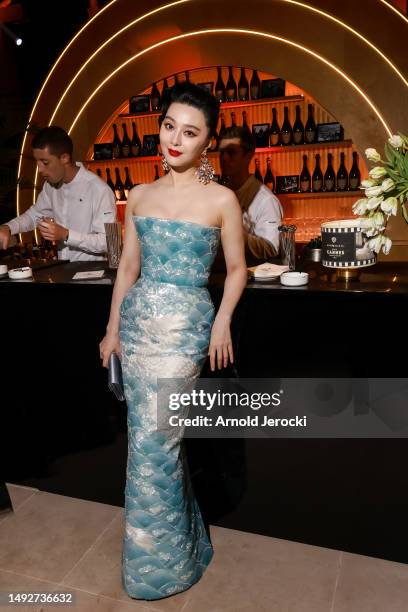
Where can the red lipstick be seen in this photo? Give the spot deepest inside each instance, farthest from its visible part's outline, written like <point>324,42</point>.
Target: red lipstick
<point>174,153</point>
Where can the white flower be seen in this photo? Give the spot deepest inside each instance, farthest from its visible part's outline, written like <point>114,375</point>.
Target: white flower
<point>368,183</point>
<point>372,155</point>
<point>379,220</point>
<point>380,241</point>
<point>387,245</point>
<point>377,172</point>
<point>360,207</point>
<point>374,202</point>
<point>388,184</point>
<point>396,141</point>
<point>374,191</point>
<point>390,206</point>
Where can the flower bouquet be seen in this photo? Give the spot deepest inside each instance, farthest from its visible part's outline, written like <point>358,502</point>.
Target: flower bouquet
<point>385,190</point>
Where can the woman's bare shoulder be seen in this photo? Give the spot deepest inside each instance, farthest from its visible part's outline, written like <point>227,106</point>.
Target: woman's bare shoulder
<point>137,195</point>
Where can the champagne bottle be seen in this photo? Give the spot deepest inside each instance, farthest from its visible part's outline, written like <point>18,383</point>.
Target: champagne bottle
<point>243,87</point>
<point>155,99</point>
<point>187,76</point>
<point>220,92</point>
<point>99,173</point>
<point>245,125</point>
<point>109,180</point>
<point>305,180</point>
<point>176,79</point>
<point>255,86</point>
<point>298,128</point>
<point>166,90</point>
<point>231,87</point>
<point>156,172</point>
<point>317,178</point>
<point>329,175</point>
<point>274,132</point>
<point>119,187</point>
<point>116,143</point>
<point>269,179</point>
<point>354,176</point>
<point>342,175</point>
<point>126,143</point>
<point>222,128</point>
<point>233,120</point>
<point>310,127</point>
<point>286,129</point>
<point>136,145</point>
<point>258,174</point>
<point>128,183</point>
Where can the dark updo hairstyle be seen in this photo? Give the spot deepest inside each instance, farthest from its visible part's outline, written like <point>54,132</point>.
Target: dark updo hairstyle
<point>198,97</point>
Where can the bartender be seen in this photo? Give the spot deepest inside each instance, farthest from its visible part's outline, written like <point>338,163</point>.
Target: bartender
<point>261,210</point>
<point>72,206</point>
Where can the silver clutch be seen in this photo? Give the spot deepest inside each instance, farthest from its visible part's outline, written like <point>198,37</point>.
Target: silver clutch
<point>115,381</point>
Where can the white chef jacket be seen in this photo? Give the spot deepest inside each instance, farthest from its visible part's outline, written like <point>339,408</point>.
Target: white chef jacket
<point>264,216</point>
<point>82,206</point>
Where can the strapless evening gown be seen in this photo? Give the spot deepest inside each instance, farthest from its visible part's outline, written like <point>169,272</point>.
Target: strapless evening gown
<point>165,325</point>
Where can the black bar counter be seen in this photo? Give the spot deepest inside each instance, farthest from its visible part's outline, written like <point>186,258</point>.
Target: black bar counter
<point>63,431</point>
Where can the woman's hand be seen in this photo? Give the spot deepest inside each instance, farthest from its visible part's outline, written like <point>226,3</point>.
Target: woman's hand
<point>220,344</point>
<point>110,343</point>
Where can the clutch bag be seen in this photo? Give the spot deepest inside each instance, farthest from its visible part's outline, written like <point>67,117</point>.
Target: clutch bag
<point>115,381</point>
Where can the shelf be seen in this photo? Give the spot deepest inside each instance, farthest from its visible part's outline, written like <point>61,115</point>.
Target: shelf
<point>224,105</point>
<point>320,194</point>
<point>123,159</point>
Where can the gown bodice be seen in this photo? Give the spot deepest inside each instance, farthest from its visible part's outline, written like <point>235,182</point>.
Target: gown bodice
<point>176,251</point>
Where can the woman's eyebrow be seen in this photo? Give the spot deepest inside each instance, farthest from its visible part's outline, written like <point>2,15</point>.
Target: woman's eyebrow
<point>186,125</point>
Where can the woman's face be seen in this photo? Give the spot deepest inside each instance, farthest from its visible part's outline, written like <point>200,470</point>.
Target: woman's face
<point>183,135</point>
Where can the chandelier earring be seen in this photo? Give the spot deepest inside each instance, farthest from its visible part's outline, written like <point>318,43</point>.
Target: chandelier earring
<point>205,171</point>
<point>165,164</point>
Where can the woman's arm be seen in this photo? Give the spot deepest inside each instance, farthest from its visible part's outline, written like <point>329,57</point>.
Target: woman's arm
<point>127,274</point>
<point>232,238</point>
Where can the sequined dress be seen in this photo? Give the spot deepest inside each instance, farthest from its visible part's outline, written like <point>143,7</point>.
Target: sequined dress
<point>165,325</point>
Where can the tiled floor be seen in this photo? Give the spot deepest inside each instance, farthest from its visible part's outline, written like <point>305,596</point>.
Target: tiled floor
<point>57,543</point>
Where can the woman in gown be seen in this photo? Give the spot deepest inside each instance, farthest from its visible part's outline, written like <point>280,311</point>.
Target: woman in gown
<point>162,325</point>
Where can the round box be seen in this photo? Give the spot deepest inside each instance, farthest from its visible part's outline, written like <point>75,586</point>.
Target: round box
<point>294,279</point>
<point>344,245</point>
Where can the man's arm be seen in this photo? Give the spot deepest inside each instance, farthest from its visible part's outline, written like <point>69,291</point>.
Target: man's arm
<point>265,215</point>
<point>104,212</point>
<point>29,219</point>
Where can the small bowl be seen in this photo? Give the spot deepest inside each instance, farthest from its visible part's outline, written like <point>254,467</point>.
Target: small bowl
<point>294,279</point>
<point>17,273</point>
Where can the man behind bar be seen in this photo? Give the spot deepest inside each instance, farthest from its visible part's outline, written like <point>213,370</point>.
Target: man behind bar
<point>261,210</point>
<point>73,205</point>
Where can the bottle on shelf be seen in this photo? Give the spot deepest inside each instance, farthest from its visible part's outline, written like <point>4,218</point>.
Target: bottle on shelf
<point>258,174</point>
<point>126,144</point>
<point>274,132</point>
<point>116,143</point>
<point>155,99</point>
<point>298,128</point>
<point>156,172</point>
<point>354,176</point>
<point>305,179</point>
<point>220,92</point>
<point>109,180</point>
<point>187,76</point>
<point>128,183</point>
<point>286,129</point>
<point>255,86</point>
<point>310,127</point>
<point>176,79</point>
<point>135,145</point>
<point>245,125</point>
<point>342,175</point>
<point>233,120</point>
<point>329,176</point>
<point>243,87</point>
<point>222,128</point>
<point>231,87</point>
<point>317,177</point>
<point>166,89</point>
<point>99,173</point>
<point>119,187</point>
<point>269,179</point>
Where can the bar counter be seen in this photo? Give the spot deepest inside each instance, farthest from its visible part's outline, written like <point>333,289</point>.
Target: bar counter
<point>63,431</point>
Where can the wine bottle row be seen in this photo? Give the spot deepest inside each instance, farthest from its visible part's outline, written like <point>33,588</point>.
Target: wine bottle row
<point>342,180</point>
<point>121,188</point>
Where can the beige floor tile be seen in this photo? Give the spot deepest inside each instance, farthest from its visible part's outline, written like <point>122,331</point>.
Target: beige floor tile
<point>87,602</point>
<point>50,533</point>
<point>18,495</point>
<point>16,582</point>
<point>367,584</point>
<point>260,573</point>
<point>99,572</point>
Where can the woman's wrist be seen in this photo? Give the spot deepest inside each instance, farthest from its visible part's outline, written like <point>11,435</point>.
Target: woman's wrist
<point>224,316</point>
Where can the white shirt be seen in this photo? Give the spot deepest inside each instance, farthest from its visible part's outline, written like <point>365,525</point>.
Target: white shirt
<point>82,206</point>
<point>264,216</point>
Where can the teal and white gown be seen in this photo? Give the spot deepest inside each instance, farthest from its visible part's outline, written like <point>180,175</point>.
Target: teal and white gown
<point>165,325</point>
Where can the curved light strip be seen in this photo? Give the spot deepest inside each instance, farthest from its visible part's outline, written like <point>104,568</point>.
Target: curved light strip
<point>394,8</point>
<point>238,31</point>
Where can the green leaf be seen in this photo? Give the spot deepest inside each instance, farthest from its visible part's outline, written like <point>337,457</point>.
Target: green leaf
<point>389,153</point>
<point>404,213</point>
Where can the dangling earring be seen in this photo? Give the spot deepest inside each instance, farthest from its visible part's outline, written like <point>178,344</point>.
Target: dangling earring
<point>165,164</point>
<point>205,171</point>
